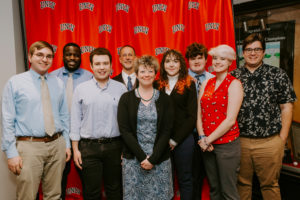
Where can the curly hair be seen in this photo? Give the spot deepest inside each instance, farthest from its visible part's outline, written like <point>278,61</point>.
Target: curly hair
<point>196,49</point>
<point>184,80</point>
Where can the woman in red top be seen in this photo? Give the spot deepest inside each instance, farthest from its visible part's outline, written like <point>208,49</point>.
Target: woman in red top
<point>218,107</point>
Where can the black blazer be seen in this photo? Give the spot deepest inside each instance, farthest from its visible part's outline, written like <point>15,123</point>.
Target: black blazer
<point>127,119</point>
<point>120,79</point>
<point>185,108</point>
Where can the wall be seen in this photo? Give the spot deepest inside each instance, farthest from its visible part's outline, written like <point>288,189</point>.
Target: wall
<point>12,62</point>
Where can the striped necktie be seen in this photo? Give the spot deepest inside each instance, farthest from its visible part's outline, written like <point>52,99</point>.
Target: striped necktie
<point>129,84</point>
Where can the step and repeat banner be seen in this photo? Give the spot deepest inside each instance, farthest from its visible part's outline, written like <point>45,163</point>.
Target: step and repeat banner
<point>150,26</point>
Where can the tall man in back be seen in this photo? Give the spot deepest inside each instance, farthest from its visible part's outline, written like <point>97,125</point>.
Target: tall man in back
<point>72,75</point>
<point>264,119</point>
<point>95,135</point>
<point>196,54</point>
<point>34,118</point>
<point>127,76</point>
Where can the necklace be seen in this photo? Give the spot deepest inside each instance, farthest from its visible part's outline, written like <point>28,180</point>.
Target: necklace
<point>146,100</point>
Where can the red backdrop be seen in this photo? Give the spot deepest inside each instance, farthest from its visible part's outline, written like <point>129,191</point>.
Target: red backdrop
<point>150,26</point>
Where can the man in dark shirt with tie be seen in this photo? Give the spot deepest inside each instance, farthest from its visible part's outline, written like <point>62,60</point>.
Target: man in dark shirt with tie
<point>196,54</point>
<point>127,76</point>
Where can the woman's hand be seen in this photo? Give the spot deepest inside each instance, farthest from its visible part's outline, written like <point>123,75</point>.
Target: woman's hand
<point>145,164</point>
<point>204,145</point>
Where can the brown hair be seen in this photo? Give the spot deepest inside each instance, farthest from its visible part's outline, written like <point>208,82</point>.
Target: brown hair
<point>196,49</point>
<point>100,51</point>
<point>254,37</point>
<point>147,61</point>
<point>40,45</point>
<point>184,80</point>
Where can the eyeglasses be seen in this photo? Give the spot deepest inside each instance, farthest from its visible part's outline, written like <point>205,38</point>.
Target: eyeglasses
<point>42,56</point>
<point>256,50</point>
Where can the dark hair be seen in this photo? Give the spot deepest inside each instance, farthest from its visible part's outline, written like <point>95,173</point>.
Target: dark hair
<point>100,51</point>
<point>127,45</point>
<point>253,38</point>
<point>196,49</point>
<point>71,45</point>
<point>40,45</point>
<point>184,80</point>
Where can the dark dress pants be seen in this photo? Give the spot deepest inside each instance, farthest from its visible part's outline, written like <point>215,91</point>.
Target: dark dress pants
<point>183,160</point>
<point>101,162</point>
<point>198,169</point>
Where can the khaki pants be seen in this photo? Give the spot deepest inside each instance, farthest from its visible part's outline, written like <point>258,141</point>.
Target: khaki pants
<point>41,162</point>
<point>264,157</point>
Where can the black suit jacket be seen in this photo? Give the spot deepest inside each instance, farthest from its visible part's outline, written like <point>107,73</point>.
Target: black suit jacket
<point>185,108</point>
<point>127,120</point>
<point>120,79</point>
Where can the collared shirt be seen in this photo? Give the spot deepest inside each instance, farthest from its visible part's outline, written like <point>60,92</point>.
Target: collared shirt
<point>22,110</point>
<point>94,110</point>
<point>206,75</point>
<point>125,78</point>
<point>80,75</point>
<point>172,82</point>
<point>264,90</point>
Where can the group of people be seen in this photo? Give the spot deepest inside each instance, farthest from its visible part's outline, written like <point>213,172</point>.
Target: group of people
<point>136,132</point>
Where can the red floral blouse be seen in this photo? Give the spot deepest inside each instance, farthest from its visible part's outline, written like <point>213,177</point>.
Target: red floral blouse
<point>214,109</point>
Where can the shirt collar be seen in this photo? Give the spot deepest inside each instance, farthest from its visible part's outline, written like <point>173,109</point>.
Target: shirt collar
<point>37,75</point>
<point>77,71</point>
<point>193,74</point>
<point>97,84</point>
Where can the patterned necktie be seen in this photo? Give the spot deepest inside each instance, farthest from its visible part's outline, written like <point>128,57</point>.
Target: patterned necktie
<point>69,90</point>
<point>47,108</point>
<point>129,84</point>
<point>198,84</point>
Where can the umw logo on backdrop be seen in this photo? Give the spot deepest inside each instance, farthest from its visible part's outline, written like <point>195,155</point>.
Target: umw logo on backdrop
<point>86,49</point>
<point>47,4</point>
<point>141,29</point>
<point>105,27</point>
<point>122,6</point>
<point>86,6</point>
<point>67,26</point>
<point>161,50</point>
<point>212,26</point>
<point>178,27</point>
<point>159,7</point>
<point>193,5</point>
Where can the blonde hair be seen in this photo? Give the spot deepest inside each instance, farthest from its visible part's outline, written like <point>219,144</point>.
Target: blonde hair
<point>147,61</point>
<point>224,51</point>
<point>39,45</point>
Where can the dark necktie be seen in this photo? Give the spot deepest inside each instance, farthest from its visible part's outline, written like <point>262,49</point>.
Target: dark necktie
<point>129,84</point>
<point>198,84</point>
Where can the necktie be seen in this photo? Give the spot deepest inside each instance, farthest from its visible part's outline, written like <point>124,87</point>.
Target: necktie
<point>69,90</point>
<point>47,108</point>
<point>129,84</point>
<point>198,85</point>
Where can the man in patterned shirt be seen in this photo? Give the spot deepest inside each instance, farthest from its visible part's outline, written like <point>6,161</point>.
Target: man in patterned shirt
<point>264,119</point>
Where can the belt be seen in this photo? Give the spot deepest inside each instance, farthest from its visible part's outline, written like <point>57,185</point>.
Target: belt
<point>40,139</point>
<point>101,140</point>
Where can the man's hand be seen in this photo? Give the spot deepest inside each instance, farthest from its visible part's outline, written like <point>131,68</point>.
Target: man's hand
<point>15,165</point>
<point>68,154</point>
<point>77,158</point>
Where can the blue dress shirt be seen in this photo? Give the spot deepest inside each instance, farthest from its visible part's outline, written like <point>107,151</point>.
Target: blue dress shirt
<point>206,74</point>
<point>94,110</point>
<point>22,110</point>
<point>80,75</point>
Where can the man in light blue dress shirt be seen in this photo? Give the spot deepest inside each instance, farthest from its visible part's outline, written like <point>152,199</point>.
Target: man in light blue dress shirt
<point>34,153</point>
<point>71,69</point>
<point>196,54</point>
<point>95,132</point>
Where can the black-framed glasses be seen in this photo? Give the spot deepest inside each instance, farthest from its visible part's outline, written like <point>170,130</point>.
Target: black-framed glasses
<point>256,50</point>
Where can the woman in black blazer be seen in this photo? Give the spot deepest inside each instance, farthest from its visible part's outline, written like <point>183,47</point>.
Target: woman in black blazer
<point>145,118</point>
<point>175,81</point>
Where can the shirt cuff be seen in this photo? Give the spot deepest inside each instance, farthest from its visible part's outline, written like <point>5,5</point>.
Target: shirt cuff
<point>12,152</point>
<point>172,142</point>
<point>74,137</point>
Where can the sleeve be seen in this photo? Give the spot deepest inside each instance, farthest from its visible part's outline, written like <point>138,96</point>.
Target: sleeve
<point>76,113</point>
<point>165,132</point>
<point>127,132</point>
<point>8,122</point>
<point>190,121</point>
<point>64,116</point>
<point>286,93</point>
